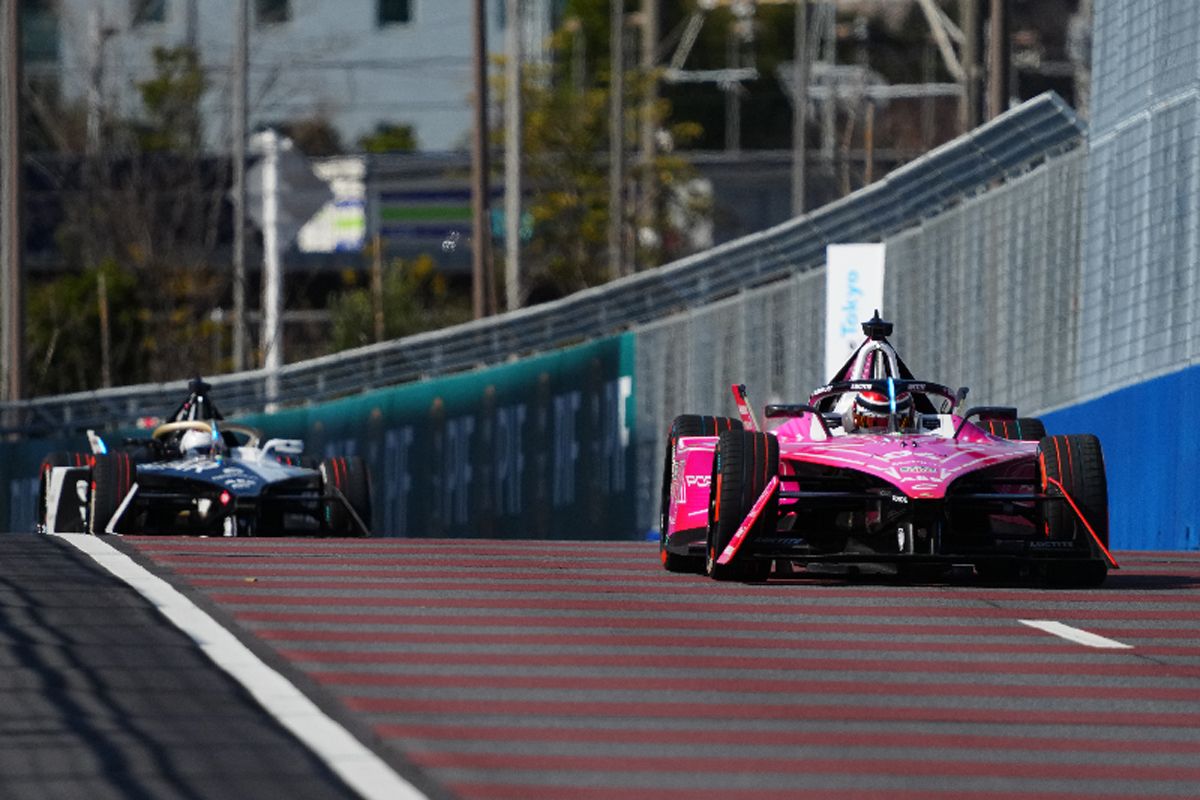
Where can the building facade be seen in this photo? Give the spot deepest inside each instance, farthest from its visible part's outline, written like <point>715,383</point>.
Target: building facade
<point>355,63</point>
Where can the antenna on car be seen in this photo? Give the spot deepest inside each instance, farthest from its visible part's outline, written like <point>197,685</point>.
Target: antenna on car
<point>877,329</point>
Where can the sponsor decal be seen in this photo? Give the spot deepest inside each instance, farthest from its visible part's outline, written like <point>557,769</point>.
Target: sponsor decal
<point>699,481</point>
<point>920,469</point>
<point>236,478</point>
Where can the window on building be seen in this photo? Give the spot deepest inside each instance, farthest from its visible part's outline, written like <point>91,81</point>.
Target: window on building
<point>39,32</point>
<point>391,12</point>
<point>271,12</point>
<point>148,11</point>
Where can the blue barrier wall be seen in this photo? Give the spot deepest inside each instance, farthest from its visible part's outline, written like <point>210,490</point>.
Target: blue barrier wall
<point>1152,454</point>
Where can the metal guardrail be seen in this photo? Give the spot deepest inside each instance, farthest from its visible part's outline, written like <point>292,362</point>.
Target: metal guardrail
<point>1010,144</point>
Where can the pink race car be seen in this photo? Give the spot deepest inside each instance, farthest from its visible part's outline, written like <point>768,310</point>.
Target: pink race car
<point>880,468</point>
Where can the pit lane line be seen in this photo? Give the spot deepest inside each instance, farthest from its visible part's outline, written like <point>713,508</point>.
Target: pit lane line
<point>1077,635</point>
<point>354,763</point>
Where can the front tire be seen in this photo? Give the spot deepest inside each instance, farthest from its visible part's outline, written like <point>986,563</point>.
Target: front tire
<point>112,478</point>
<point>743,464</point>
<point>683,425</point>
<point>1077,463</point>
<point>347,474</point>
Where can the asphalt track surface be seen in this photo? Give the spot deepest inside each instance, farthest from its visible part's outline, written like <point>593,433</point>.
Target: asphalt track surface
<point>101,698</point>
<point>484,669</point>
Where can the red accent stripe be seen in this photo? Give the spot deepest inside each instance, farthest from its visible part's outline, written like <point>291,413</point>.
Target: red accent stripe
<point>818,595</point>
<point>728,603</point>
<point>665,640</point>
<point>779,710</point>
<point>1112,561</point>
<point>717,502</point>
<point>477,790</point>
<point>1042,468</point>
<point>691,623</point>
<point>453,730</point>
<point>1060,769</point>
<point>1124,667</point>
<point>743,530</point>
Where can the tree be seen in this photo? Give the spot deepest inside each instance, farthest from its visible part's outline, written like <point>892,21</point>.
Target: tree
<point>65,328</point>
<point>416,297</point>
<point>389,137</point>
<point>145,212</point>
<point>565,142</point>
<point>314,136</point>
<point>171,100</point>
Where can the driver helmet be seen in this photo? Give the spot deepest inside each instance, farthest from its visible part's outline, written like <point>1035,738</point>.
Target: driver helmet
<point>871,410</point>
<point>194,443</point>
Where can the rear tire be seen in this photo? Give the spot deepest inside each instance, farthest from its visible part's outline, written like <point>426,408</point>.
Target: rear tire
<point>743,465</point>
<point>1077,462</point>
<point>1025,429</point>
<point>112,478</point>
<point>684,425</point>
<point>348,474</point>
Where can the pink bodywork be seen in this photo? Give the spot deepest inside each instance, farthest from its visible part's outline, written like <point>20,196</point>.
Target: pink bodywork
<point>920,465</point>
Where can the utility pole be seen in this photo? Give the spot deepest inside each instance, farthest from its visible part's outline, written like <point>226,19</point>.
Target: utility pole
<point>800,59</point>
<point>998,59</point>
<point>512,157</point>
<point>616,139</point>
<point>377,286</point>
<point>480,251</point>
<point>241,27</point>
<point>733,98</point>
<point>649,63</point>
<point>12,323</point>
<point>829,109</point>
<point>1079,49</point>
<point>272,304</point>
<point>105,336</point>
<point>969,104</point>
<point>95,93</point>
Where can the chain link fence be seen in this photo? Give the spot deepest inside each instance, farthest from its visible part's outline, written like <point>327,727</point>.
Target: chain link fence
<point>1140,293</point>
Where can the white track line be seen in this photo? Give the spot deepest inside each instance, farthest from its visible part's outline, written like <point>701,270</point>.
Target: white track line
<point>1076,635</point>
<point>364,771</point>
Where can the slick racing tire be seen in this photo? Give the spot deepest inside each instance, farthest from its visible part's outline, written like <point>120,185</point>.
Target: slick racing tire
<point>743,465</point>
<point>1077,463</point>
<point>307,462</point>
<point>348,474</point>
<point>1025,429</point>
<point>58,458</point>
<point>112,478</point>
<point>684,425</point>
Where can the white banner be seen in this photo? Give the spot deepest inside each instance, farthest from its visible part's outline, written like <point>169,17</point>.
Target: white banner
<point>341,224</point>
<point>853,290</point>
